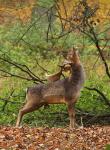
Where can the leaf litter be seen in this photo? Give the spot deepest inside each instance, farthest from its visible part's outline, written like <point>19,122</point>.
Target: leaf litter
<point>40,138</point>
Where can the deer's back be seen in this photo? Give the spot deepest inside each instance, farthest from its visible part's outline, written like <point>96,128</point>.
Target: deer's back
<point>56,92</point>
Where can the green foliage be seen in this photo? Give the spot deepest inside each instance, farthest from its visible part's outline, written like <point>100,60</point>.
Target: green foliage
<point>107,147</point>
<point>45,3</point>
<point>33,48</point>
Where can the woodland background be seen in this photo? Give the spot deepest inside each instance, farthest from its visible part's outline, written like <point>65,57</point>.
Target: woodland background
<point>33,36</point>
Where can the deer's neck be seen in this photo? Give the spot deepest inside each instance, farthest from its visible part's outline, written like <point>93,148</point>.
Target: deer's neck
<point>77,75</point>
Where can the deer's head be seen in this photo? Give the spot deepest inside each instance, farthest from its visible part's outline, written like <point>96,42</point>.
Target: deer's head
<point>71,58</point>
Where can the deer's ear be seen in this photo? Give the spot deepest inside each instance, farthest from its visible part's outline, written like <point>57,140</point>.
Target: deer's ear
<point>75,49</point>
<point>76,52</point>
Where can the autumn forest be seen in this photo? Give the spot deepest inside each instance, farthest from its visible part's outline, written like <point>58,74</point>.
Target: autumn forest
<point>41,43</point>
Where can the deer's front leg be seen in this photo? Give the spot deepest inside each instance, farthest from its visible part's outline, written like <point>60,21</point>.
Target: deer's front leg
<point>71,111</point>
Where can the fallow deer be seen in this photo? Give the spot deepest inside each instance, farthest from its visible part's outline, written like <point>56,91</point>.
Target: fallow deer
<point>56,76</point>
<point>62,91</point>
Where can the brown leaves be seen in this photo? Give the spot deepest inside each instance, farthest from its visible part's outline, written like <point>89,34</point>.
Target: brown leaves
<point>54,138</point>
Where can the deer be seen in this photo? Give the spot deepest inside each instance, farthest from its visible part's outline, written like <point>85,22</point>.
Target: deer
<point>63,91</point>
<point>56,76</point>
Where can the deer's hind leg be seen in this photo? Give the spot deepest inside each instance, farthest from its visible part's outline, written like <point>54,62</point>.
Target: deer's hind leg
<point>28,107</point>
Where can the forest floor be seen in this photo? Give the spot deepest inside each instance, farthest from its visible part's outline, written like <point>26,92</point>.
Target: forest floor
<point>31,138</point>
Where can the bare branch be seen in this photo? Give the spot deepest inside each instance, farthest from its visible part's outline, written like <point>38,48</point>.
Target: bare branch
<point>23,68</point>
<point>107,101</point>
<point>32,25</point>
<point>6,100</point>
<point>14,75</point>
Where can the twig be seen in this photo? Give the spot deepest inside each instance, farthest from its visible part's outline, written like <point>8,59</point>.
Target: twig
<point>32,76</point>
<point>42,67</point>
<point>105,99</point>
<point>32,25</point>
<point>7,100</point>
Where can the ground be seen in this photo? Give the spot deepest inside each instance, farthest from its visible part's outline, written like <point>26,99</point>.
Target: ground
<point>30,138</point>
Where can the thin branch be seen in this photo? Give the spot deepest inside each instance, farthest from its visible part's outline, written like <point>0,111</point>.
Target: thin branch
<point>32,25</point>
<point>58,11</point>
<point>7,100</point>
<point>103,58</point>
<point>14,75</point>
<point>41,66</point>
<point>95,62</point>
<point>105,99</point>
<point>26,70</point>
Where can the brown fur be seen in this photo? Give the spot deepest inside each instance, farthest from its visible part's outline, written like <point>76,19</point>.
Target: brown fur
<point>54,77</point>
<point>62,91</point>
<point>57,76</point>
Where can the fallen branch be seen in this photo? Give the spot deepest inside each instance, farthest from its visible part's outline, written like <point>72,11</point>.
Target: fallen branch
<point>83,114</point>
